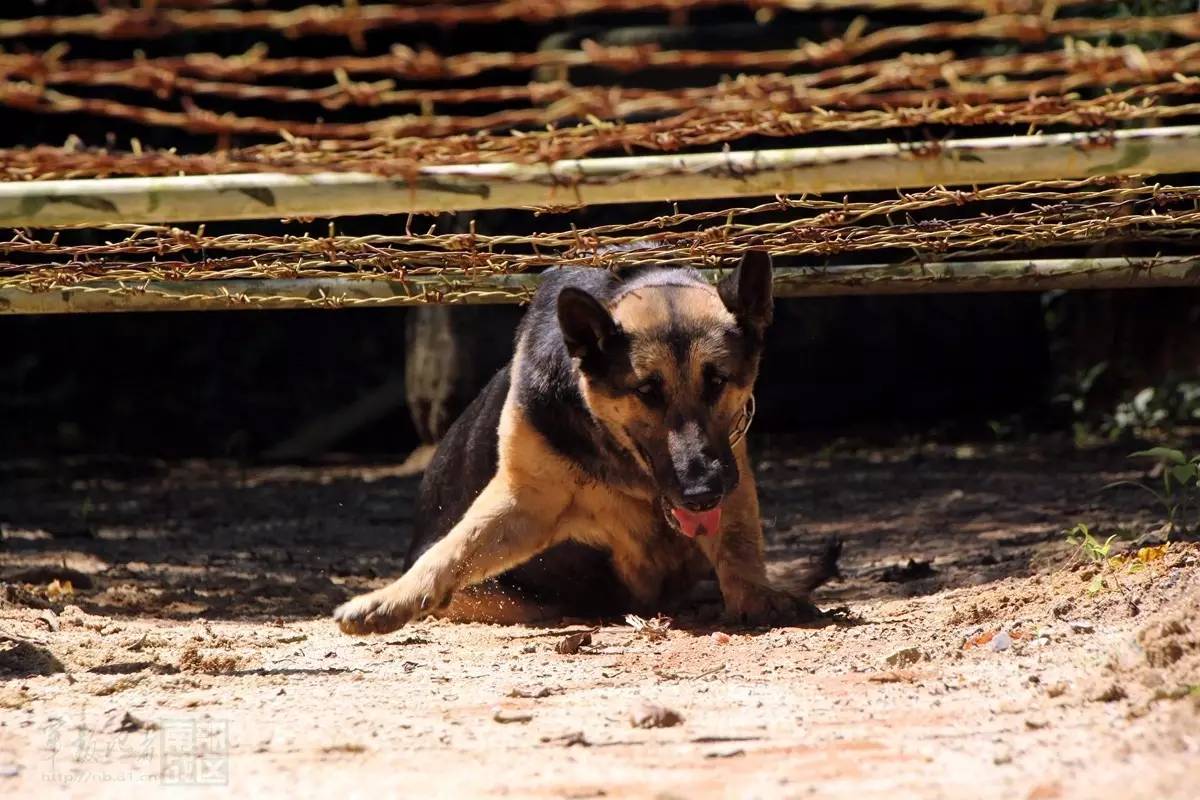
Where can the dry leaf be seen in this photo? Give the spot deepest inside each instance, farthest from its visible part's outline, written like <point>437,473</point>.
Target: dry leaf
<point>570,644</point>
<point>57,589</point>
<point>653,629</point>
<point>979,640</point>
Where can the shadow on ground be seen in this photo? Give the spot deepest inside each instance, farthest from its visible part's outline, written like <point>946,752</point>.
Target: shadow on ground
<point>212,540</point>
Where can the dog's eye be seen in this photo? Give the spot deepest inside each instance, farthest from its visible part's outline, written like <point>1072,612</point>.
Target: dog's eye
<point>648,389</point>
<point>717,380</point>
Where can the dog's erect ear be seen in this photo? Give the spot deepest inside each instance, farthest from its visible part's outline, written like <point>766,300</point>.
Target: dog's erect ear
<point>747,291</point>
<point>587,327</point>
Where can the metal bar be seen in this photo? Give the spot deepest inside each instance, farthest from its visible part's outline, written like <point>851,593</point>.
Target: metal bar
<point>350,292</point>
<point>602,180</point>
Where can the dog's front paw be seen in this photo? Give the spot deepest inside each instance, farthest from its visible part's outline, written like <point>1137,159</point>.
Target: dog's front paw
<point>763,605</point>
<point>385,610</point>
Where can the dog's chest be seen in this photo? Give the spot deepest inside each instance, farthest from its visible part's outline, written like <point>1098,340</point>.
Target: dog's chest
<point>632,529</point>
<point>601,516</point>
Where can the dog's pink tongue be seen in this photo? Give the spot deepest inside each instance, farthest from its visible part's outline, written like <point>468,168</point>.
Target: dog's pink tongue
<point>698,523</point>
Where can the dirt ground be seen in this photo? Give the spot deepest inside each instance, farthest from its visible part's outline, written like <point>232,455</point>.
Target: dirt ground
<point>192,649</point>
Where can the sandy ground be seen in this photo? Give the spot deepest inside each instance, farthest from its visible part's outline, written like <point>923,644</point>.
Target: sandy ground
<point>192,651</point>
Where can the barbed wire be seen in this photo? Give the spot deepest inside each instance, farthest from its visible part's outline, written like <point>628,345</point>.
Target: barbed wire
<point>960,6</point>
<point>352,19</point>
<point>399,144</point>
<point>250,68</point>
<point>1156,215</point>
<point>162,240</point>
<point>922,80</point>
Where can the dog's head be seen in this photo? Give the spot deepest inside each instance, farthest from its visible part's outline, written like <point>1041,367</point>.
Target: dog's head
<point>668,367</point>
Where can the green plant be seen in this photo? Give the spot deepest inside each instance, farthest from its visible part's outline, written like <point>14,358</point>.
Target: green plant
<point>1088,545</point>
<point>1154,408</point>
<point>1180,485</point>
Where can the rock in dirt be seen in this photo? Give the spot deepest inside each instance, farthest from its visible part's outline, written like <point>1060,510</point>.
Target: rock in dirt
<point>727,753</point>
<point>1107,693</point>
<point>567,739</point>
<point>906,657</point>
<point>208,660</point>
<point>49,619</point>
<point>1168,641</point>
<point>1001,641</point>
<point>124,722</point>
<point>532,692</point>
<point>652,715</point>
<point>894,676</point>
<point>1081,626</point>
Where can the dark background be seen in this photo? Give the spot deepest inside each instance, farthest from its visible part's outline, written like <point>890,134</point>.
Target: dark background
<point>237,384</point>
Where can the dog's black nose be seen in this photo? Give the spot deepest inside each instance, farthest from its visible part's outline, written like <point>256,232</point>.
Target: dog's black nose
<point>701,498</point>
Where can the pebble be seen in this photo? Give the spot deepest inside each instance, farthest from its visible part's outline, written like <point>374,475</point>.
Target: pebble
<point>506,717</point>
<point>905,657</point>
<point>652,715</point>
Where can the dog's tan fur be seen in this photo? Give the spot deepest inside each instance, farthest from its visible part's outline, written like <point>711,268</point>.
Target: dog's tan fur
<point>538,498</point>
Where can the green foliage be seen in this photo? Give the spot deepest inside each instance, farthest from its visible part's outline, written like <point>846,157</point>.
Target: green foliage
<point>1175,402</point>
<point>1148,413</point>
<point>1088,545</point>
<point>1180,492</point>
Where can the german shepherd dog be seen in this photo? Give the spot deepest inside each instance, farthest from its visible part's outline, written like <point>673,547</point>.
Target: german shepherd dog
<point>605,468</point>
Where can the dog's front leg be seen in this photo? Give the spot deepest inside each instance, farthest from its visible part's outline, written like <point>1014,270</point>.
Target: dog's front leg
<point>505,526</point>
<point>736,553</point>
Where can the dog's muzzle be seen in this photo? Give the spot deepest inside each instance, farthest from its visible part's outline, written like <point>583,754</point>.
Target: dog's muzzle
<point>707,522</point>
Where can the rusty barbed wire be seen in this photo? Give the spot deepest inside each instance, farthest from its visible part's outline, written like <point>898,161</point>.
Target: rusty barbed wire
<point>919,69</point>
<point>933,79</point>
<point>353,20</point>
<point>962,6</point>
<point>412,139</point>
<point>1160,215</point>
<point>162,240</point>
<point>858,281</point>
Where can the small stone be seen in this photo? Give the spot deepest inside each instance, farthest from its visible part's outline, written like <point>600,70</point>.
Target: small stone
<point>652,715</point>
<point>720,637</point>
<point>507,717</point>
<point>905,657</point>
<point>1108,694</point>
<point>1001,641</point>
<point>569,739</point>
<point>1081,626</point>
<point>729,753</point>
<point>118,722</point>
